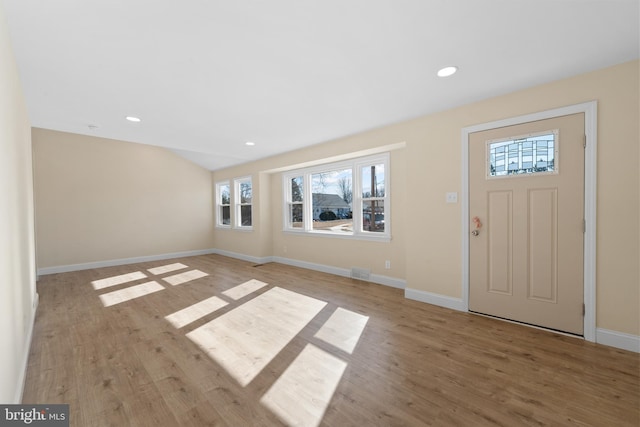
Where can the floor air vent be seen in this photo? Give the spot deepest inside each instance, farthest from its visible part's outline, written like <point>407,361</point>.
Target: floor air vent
<point>360,273</point>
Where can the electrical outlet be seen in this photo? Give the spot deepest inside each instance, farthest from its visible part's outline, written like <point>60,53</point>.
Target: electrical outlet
<point>387,264</point>
<point>452,197</point>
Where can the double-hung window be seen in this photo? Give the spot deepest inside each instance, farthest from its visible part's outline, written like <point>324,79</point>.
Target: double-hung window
<point>243,200</point>
<point>223,204</point>
<point>373,196</point>
<point>240,197</point>
<point>295,206</point>
<point>349,198</point>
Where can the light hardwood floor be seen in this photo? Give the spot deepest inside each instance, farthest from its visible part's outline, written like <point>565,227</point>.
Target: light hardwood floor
<point>308,347</point>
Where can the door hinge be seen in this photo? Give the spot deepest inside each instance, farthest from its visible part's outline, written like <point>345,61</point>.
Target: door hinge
<point>584,225</point>
<point>584,309</point>
<point>584,141</point>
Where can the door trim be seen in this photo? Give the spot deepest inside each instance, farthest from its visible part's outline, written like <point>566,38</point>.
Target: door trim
<point>590,110</point>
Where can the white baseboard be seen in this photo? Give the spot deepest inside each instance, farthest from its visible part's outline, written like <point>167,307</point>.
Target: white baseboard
<point>388,281</point>
<point>435,299</point>
<point>344,272</point>
<point>313,266</point>
<point>618,339</point>
<point>243,257</point>
<point>25,360</point>
<point>121,261</point>
<point>374,278</point>
<point>603,336</point>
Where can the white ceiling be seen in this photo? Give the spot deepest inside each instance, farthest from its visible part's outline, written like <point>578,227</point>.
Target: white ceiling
<point>205,76</point>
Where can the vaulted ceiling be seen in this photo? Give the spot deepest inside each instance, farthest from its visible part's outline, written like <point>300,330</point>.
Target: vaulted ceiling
<point>207,76</point>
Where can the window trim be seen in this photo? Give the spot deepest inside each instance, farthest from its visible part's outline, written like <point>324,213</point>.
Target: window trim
<point>219,205</point>
<point>356,164</point>
<point>237,202</point>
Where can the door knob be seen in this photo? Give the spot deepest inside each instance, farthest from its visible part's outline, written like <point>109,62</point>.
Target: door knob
<point>478,224</point>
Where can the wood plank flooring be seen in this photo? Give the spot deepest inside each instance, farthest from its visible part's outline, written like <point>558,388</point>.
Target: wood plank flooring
<point>397,362</point>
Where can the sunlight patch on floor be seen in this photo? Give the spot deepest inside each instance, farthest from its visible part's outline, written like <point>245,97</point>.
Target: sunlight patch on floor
<point>117,280</point>
<point>244,289</point>
<point>166,268</point>
<point>122,295</point>
<point>244,340</point>
<point>302,393</point>
<point>343,329</point>
<point>185,277</point>
<point>194,312</point>
<point>247,338</point>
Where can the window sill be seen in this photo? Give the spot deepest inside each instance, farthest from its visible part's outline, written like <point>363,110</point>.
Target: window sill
<point>346,236</point>
<point>230,228</point>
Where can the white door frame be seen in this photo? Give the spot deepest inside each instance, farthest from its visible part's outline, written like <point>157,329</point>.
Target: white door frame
<point>590,110</point>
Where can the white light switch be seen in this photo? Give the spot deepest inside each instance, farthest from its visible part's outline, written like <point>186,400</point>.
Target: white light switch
<point>452,197</point>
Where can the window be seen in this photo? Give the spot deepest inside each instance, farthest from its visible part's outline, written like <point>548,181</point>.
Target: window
<point>345,198</point>
<point>530,154</point>
<point>243,200</point>
<point>223,204</point>
<point>373,192</point>
<point>295,209</point>
<point>331,201</point>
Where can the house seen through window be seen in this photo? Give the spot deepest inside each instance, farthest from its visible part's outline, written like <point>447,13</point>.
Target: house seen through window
<point>331,200</point>
<point>346,198</point>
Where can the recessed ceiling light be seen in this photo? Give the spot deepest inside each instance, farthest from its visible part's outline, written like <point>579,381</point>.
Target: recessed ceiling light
<point>447,71</point>
<point>133,119</point>
<point>249,143</point>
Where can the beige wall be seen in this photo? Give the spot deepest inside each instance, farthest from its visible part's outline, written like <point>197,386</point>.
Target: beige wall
<point>436,268</point>
<point>426,246</point>
<point>17,263</point>
<point>100,200</point>
<point>346,253</point>
<point>268,238</point>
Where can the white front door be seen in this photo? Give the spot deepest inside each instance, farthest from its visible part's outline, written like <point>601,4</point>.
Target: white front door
<point>526,202</point>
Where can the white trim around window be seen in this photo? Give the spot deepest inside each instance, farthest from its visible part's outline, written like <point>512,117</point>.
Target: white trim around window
<point>348,199</point>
